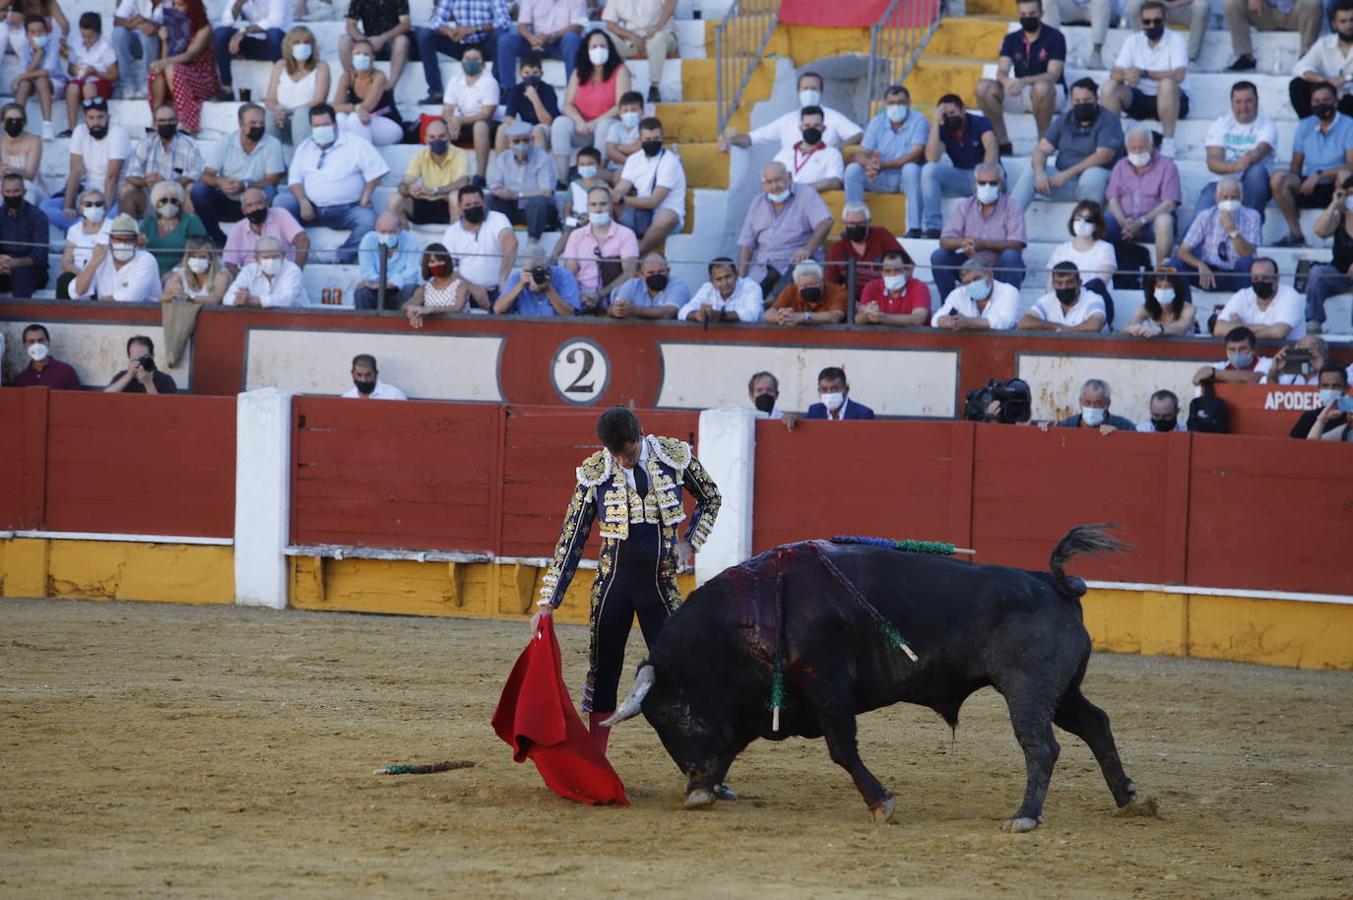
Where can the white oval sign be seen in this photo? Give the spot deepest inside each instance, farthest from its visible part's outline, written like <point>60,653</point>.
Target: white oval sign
<point>581,371</point>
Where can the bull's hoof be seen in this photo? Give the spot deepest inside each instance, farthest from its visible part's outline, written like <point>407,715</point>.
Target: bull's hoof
<point>724,792</point>
<point>1021,824</point>
<point>700,798</point>
<point>883,811</point>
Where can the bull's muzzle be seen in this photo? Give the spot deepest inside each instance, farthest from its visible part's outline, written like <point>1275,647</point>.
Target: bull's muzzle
<point>634,701</point>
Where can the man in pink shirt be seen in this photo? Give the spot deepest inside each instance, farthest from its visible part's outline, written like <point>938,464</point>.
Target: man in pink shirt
<point>260,221</point>
<point>1142,197</point>
<point>603,255</point>
<point>550,29</point>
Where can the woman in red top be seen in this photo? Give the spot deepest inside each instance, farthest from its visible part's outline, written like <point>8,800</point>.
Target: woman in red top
<point>896,298</point>
<point>591,100</point>
<point>186,69</point>
<point>861,242</point>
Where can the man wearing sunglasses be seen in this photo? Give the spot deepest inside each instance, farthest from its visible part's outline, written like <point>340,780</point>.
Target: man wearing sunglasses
<point>1147,81</point>
<point>98,151</point>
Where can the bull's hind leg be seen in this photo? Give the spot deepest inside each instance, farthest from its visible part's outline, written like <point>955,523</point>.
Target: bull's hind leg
<point>839,731</point>
<point>1091,724</point>
<point>1034,733</point>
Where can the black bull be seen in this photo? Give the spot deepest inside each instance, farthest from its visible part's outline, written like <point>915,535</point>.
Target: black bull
<point>818,607</point>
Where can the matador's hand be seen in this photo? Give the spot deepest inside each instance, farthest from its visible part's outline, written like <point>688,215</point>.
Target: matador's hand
<point>542,613</point>
<point>685,556</point>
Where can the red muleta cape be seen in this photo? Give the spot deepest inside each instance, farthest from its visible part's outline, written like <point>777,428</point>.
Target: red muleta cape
<point>535,716</point>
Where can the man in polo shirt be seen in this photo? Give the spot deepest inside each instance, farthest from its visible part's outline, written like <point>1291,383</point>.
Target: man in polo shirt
<point>1272,311</point>
<point>1028,73</point>
<point>862,243</point>
<point>652,187</point>
<point>1242,364</point>
<point>23,241</point>
<point>427,193</point>
<point>262,221</point>
<point>838,130</point>
<point>331,181</point>
<point>725,297</point>
<point>1322,155</point>
<point>1095,399</point>
<point>1067,307</point>
<point>810,161</point>
<point>890,157</point>
<point>1142,196</point>
<point>603,254</point>
<point>1327,60</point>
<point>655,294</point>
<point>785,224</point>
<point>521,183</point>
<point>1242,144</point>
<point>969,141</point>
<point>809,300</point>
<point>119,270</point>
<point>1147,80</point>
<point>249,158</point>
<point>366,382</point>
<point>1087,141</point>
<point>895,298</point>
<point>979,303</point>
<point>1220,244</point>
<point>44,370</point>
<point>539,289</point>
<point>987,225</point>
<point>483,244</point>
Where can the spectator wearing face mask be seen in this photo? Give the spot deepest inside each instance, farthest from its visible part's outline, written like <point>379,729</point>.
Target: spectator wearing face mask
<point>979,303</point>
<point>834,401</point>
<point>98,151</point>
<point>1068,306</point>
<point>521,184</point>
<point>1029,68</point>
<point>651,192</point>
<point>270,280</point>
<point>1095,398</point>
<point>809,300</point>
<point>1333,381</point>
<point>81,237</point>
<point>44,369</point>
<point>1318,352</point>
<point>1242,364</point>
<point>725,297</point>
<point>530,100</point>
<point>365,101</point>
<point>1143,194</point>
<point>1327,60</point>
<point>970,144</point>
<point>890,157</point>
<point>655,294</point>
<point>785,224</point>
<point>166,154</point>
<point>591,99</point>
<point>861,243</point>
<point>1167,308</point>
<point>427,193</point>
<point>1336,276</point>
<point>894,298</point>
<point>988,225</point>
<point>456,28</point>
<point>1164,414</point>
<point>366,383</point>
<point>262,221</point>
<point>810,161</point>
<point>763,389</point>
<point>1218,249</point>
<point>1273,311</point>
<point>167,228</point>
<point>1322,155</point>
<point>141,375</point>
<point>1147,79</point>
<point>247,159</point>
<point>199,277</point>
<point>119,270</point>
<point>300,79</point>
<point>1094,257</point>
<point>23,242</point>
<point>603,254</point>
<point>442,291</point>
<point>249,29</point>
<point>838,130</point>
<point>402,262</point>
<point>623,140</point>
<point>1087,141</point>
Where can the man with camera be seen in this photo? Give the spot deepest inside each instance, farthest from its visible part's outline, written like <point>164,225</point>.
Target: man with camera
<point>141,376</point>
<point>538,289</point>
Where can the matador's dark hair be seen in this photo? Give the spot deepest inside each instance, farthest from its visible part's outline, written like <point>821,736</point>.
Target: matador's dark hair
<point>617,427</point>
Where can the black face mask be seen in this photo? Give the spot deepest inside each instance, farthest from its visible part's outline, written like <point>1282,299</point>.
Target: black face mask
<point>856,233</point>
<point>474,215</point>
<point>765,403</point>
<point>1323,111</point>
<point>812,136</point>
<point>1164,424</point>
<point>14,127</point>
<point>99,133</point>
<point>1030,23</point>
<point>1155,32</point>
<point>167,132</point>
<point>364,387</point>
<point>254,134</point>
<point>651,148</point>
<point>1068,296</point>
<point>656,282</point>
<point>257,216</point>
<point>812,294</point>
<point>953,123</point>
<point>1264,289</point>
<point>1084,112</point>
<point>14,202</point>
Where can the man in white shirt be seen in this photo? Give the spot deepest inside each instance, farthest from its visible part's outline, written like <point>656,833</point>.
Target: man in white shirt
<point>249,29</point>
<point>119,270</point>
<point>810,161</point>
<point>1067,307</point>
<point>1272,310</point>
<point>725,297</point>
<point>366,383</point>
<point>1147,81</point>
<point>979,303</point>
<point>469,103</point>
<point>91,68</point>
<point>98,151</point>
<point>483,244</point>
<point>1268,15</point>
<point>657,179</point>
<point>331,180</point>
<point>1242,145</point>
<point>1164,414</point>
<point>1329,59</point>
<point>136,36</point>
<point>270,280</point>
<point>1242,364</point>
<point>838,130</point>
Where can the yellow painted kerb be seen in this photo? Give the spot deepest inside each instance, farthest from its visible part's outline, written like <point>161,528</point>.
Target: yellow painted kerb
<point>117,570</point>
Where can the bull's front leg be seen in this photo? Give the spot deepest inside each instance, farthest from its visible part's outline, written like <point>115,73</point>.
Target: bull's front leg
<point>839,731</point>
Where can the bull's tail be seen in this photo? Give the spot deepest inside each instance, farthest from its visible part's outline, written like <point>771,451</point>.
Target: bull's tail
<point>1092,539</point>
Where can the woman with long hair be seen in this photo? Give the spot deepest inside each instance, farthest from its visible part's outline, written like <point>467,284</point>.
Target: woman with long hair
<point>198,277</point>
<point>300,79</point>
<point>591,100</point>
<point>1168,307</point>
<point>21,152</point>
<point>186,69</point>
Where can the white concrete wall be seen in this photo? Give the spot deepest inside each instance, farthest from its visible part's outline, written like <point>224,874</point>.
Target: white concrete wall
<point>262,497</point>
<point>727,449</point>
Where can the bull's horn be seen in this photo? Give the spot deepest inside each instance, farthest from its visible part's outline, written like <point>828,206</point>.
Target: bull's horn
<point>643,683</point>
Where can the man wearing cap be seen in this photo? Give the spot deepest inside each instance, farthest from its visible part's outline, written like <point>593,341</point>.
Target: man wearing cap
<point>521,183</point>
<point>119,270</point>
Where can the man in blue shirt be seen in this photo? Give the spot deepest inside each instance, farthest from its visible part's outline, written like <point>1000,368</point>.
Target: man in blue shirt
<point>1322,153</point>
<point>23,242</point>
<point>403,258</point>
<point>891,155</point>
<point>1028,74</point>
<point>968,140</point>
<point>538,289</point>
<point>655,294</point>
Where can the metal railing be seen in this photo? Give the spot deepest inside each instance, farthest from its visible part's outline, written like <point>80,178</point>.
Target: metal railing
<point>739,41</point>
<point>895,42</point>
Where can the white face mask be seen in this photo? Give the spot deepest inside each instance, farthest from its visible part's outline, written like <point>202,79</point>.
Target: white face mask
<point>1228,206</point>
<point>38,352</point>
<point>629,119</point>
<point>987,193</point>
<point>1083,228</point>
<point>123,252</point>
<point>894,283</point>
<point>199,265</point>
<point>833,401</point>
<point>361,62</point>
<point>270,265</point>
<point>598,55</point>
<point>302,52</point>
<point>1348,203</point>
<point>1092,416</point>
<point>168,211</point>
<point>599,218</point>
<point>809,97</point>
<point>1327,395</point>
<point>323,135</point>
<point>1164,296</point>
<point>94,214</point>
<point>1139,159</point>
<point>897,113</point>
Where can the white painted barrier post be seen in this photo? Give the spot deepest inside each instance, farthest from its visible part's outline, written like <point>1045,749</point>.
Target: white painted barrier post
<point>727,449</point>
<point>262,496</point>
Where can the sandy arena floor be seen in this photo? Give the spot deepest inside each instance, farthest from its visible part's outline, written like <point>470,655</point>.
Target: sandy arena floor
<point>150,750</point>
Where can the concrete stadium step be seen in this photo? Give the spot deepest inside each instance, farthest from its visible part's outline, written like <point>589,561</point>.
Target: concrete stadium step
<point>1190,136</point>
<point>696,122</point>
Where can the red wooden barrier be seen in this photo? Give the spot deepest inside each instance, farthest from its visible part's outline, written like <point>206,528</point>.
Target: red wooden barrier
<point>23,476</point>
<point>1269,410</point>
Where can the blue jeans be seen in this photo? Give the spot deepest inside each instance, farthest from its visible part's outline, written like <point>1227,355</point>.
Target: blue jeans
<point>269,49</point>
<point>357,220</point>
<point>1229,278</point>
<point>906,180</point>
<point>512,45</point>
<point>428,43</point>
<point>213,207</point>
<point>1254,192</point>
<point>945,264</point>
<point>1089,185</point>
<point>130,46</point>
<point>53,209</point>
<point>1323,282</point>
<point>937,180</point>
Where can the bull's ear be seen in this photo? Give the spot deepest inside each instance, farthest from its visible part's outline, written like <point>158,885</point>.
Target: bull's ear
<point>643,683</point>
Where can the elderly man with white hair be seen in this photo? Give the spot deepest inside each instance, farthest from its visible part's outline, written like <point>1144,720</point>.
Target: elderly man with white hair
<point>861,243</point>
<point>1095,398</point>
<point>987,225</point>
<point>810,300</point>
<point>270,280</point>
<point>403,259</point>
<point>1216,252</point>
<point>979,303</point>
<point>1142,197</point>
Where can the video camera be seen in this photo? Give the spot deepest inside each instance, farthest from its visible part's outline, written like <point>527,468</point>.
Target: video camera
<point>1012,399</point>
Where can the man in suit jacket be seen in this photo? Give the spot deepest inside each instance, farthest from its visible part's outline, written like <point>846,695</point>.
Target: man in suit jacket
<point>835,393</point>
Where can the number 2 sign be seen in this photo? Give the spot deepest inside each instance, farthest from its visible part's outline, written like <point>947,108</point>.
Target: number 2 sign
<point>581,372</point>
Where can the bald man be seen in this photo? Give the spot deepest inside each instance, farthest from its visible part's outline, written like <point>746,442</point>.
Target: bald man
<point>786,224</point>
<point>401,257</point>
<point>260,221</point>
